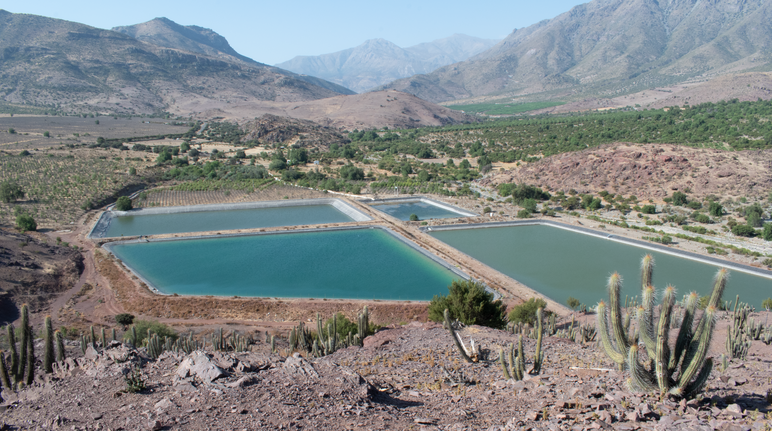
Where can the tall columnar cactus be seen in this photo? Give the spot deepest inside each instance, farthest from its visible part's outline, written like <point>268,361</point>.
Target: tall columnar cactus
<point>5,380</point>
<point>682,370</point>
<point>48,355</point>
<point>25,335</point>
<point>93,338</point>
<point>30,369</point>
<point>737,342</point>
<point>14,354</point>
<point>61,355</point>
<point>363,324</point>
<point>154,345</point>
<point>112,335</point>
<point>538,357</point>
<point>273,344</point>
<point>469,355</point>
<point>516,361</point>
<point>104,338</point>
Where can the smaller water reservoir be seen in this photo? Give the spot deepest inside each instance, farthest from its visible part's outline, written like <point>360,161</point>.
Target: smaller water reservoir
<point>203,218</point>
<point>425,209</point>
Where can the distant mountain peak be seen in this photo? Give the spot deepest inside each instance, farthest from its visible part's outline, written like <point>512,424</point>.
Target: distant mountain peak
<point>378,61</point>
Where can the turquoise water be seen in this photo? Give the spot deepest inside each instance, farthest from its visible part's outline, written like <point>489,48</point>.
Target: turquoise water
<point>423,210</point>
<point>202,221</point>
<point>562,264</point>
<point>357,263</point>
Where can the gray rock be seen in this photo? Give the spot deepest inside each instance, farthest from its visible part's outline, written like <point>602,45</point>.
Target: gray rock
<point>198,364</point>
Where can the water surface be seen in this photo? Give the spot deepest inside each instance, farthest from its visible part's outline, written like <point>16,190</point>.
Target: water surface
<point>202,221</point>
<point>423,210</point>
<point>354,264</point>
<point>560,264</point>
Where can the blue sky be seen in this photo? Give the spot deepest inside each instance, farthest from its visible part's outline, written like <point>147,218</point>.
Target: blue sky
<point>275,31</point>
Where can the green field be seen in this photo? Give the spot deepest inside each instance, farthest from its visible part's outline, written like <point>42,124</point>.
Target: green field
<point>504,108</point>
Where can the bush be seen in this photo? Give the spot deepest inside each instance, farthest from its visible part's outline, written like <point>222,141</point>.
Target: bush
<point>767,304</point>
<point>702,218</point>
<point>715,209</point>
<point>694,205</point>
<point>679,198</point>
<point>573,303</point>
<point>124,319</point>
<point>142,326</point>
<point>469,302</point>
<point>649,209</point>
<point>277,165</point>
<point>526,312</point>
<point>413,217</point>
<point>25,222</point>
<point>744,230</point>
<point>123,204</point>
<point>10,191</point>
<point>523,214</point>
<point>767,232</point>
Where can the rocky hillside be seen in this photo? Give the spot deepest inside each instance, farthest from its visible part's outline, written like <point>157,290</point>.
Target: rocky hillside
<point>407,377</point>
<point>378,61</point>
<point>33,272</point>
<point>270,129</point>
<point>649,171</point>
<point>72,67</point>
<point>608,47</point>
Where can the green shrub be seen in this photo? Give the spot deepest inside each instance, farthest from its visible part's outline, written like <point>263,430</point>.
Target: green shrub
<point>486,210</point>
<point>155,327</point>
<point>767,304</point>
<point>10,192</point>
<point>413,217</point>
<point>702,218</point>
<point>649,209</point>
<point>744,230</point>
<point>767,232</point>
<point>679,198</point>
<point>573,303</point>
<point>526,312</point>
<point>715,209</point>
<point>523,214</point>
<point>25,222</point>
<point>470,303</point>
<point>694,205</point>
<point>124,319</point>
<point>123,203</point>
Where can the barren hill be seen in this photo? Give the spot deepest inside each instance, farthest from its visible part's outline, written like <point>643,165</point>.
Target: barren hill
<point>75,68</point>
<point>608,47</point>
<point>648,171</point>
<point>391,109</point>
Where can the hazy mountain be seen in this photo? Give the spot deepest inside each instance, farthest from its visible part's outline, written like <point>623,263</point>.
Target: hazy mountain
<point>75,67</point>
<point>610,47</point>
<point>378,61</point>
<point>166,33</point>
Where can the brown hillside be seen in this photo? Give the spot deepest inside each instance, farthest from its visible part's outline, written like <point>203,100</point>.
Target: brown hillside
<point>648,171</point>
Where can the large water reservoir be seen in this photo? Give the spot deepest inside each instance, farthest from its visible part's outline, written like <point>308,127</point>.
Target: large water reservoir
<point>368,263</point>
<point>560,264</point>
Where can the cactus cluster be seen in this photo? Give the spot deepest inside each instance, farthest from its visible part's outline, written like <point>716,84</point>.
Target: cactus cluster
<point>187,344</point>
<point>469,355</point>
<point>738,339</point>
<point>681,370</point>
<point>326,341</point>
<point>21,369</point>
<point>517,361</point>
<point>578,334</point>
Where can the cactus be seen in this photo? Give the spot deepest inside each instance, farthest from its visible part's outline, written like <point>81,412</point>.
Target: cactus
<point>737,342</point>
<point>363,324</point>
<point>61,355</point>
<point>5,380</point>
<point>83,343</point>
<point>516,361</point>
<point>187,345</point>
<point>14,354</point>
<point>154,345</point>
<point>112,335</point>
<point>218,341</point>
<point>48,355</point>
<point>238,342</point>
<point>30,369</point>
<point>680,371</point>
<point>538,358</point>
<point>133,336</point>
<point>273,344</point>
<point>25,330</point>
<point>93,338</point>
<point>104,338</point>
<point>469,355</point>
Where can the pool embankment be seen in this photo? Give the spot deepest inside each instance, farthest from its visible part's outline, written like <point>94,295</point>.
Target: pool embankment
<point>616,238</point>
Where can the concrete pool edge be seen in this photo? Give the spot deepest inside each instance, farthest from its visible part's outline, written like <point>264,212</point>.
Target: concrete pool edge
<point>616,238</point>
<point>406,200</point>
<point>436,259</point>
<point>103,222</point>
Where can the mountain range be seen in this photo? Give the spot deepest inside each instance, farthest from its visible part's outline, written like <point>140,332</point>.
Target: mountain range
<point>610,47</point>
<point>377,61</point>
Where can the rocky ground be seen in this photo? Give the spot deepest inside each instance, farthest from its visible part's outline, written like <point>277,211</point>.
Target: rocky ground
<point>405,377</point>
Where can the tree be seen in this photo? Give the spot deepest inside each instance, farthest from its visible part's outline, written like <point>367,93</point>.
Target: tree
<point>351,172</point>
<point>277,165</point>
<point>10,191</point>
<point>124,319</point>
<point>123,204</point>
<point>573,303</point>
<point>46,134</point>
<point>470,303</point>
<point>530,205</point>
<point>25,222</point>
<point>679,198</point>
<point>413,217</point>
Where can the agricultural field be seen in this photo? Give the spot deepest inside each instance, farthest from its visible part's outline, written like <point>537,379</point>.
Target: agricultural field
<point>29,130</point>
